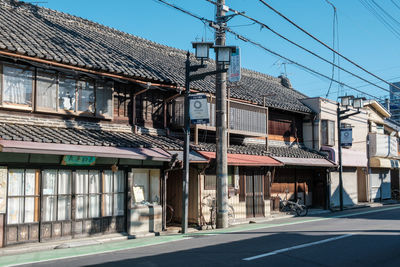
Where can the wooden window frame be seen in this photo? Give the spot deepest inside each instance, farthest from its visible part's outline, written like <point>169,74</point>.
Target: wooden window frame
<point>57,195</point>
<point>17,106</point>
<point>24,196</point>
<point>35,107</point>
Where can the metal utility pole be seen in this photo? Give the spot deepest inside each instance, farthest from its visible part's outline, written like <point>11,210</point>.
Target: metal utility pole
<point>340,157</point>
<point>221,133</point>
<point>185,176</point>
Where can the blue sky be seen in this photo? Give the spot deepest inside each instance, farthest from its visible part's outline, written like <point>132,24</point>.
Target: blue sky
<point>362,37</point>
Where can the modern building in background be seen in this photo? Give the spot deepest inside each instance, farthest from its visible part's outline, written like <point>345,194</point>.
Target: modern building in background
<point>395,102</point>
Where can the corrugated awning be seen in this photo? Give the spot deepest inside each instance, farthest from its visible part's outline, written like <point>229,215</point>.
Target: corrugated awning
<point>194,157</point>
<point>313,162</point>
<point>376,162</point>
<point>244,159</point>
<point>156,154</point>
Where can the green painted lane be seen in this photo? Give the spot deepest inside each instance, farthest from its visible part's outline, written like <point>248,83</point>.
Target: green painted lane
<point>55,254</point>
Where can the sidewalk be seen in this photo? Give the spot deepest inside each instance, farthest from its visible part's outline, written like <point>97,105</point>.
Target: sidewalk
<point>172,231</point>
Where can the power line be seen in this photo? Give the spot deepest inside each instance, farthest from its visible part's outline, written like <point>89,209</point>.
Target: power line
<point>327,46</point>
<point>263,25</point>
<point>243,38</point>
<point>333,43</point>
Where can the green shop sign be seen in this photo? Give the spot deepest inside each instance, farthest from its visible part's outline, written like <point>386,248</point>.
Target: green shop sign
<point>78,160</point>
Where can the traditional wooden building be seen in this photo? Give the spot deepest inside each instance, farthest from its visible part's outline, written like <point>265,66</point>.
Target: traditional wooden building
<point>90,118</point>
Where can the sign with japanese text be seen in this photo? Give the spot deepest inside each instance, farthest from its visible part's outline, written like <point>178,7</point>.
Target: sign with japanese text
<point>346,135</point>
<point>198,109</point>
<point>78,160</point>
<point>234,71</point>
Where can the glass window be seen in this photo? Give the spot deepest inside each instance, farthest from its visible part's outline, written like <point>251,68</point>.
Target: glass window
<point>113,198</point>
<point>85,96</point>
<point>46,90</point>
<point>81,191</point>
<point>104,99</point>
<point>94,194</point>
<point>64,195</point>
<point>17,85</point>
<point>23,196</point>
<point>66,93</point>
<point>149,180</point>
<point>328,132</point>
<point>49,180</point>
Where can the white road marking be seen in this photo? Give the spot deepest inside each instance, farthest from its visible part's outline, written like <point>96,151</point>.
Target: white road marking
<point>297,247</point>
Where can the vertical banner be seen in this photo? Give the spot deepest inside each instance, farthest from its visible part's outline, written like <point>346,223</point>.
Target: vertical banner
<point>3,189</point>
<point>234,71</point>
<point>198,109</point>
<point>346,135</point>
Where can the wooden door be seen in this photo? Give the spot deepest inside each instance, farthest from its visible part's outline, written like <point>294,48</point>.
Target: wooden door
<point>249,196</point>
<point>254,194</point>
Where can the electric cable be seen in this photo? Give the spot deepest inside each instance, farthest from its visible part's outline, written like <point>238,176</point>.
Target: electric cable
<point>241,37</point>
<point>327,46</point>
<point>302,47</point>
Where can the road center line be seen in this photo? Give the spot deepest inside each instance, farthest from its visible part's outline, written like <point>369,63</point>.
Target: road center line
<point>297,247</point>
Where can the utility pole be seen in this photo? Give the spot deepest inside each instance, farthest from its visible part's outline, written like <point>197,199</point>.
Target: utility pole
<point>338,112</point>
<point>185,176</point>
<point>221,133</point>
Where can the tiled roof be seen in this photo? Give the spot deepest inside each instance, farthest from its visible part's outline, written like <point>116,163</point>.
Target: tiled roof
<point>47,34</point>
<point>274,151</point>
<point>43,134</point>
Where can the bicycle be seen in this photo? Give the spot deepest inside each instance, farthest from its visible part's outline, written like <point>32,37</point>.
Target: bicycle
<point>210,202</point>
<point>291,206</point>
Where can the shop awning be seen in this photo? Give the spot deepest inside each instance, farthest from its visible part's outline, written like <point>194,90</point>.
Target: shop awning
<point>350,158</point>
<point>156,154</point>
<point>376,162</point>
<point>194,157</point>
<point>245,160</point>
<point>313,162</point>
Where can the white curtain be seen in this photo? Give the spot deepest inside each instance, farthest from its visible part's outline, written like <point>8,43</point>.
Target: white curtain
<point>64,208</point>
<point>15,210</point>
<point>119,204</point>
<point>29,209</point>
<point>66,93</point>
<point>107,182</point>
<point>49,182</point>
<point>46,87</point>
<point>17,85</point>
<point>81,182</point>
<point>107,205</point>
<point>30,182</point>
<point>64,182</point>
<point>81,207</point>
<point>15,182</point>
<point>49,208</point>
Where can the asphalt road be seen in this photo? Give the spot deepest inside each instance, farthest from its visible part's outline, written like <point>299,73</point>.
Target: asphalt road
<point>353,238</point>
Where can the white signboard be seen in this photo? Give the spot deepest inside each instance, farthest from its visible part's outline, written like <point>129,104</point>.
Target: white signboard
<point>346,136</point>
<point>234,72</point>
<point>198,109</point>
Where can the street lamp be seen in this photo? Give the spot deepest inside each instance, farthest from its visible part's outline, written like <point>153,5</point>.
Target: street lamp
<point>358,102</point>
<point>347,101</point>
<point>223,53</point>
<point>202,49</point>
<point>201,53</point>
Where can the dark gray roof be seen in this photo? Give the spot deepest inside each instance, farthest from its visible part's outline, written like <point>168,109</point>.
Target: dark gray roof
<point>75,136</point>
<point>274,151</point>
<point>42,134</point>
<point>47,34</point>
